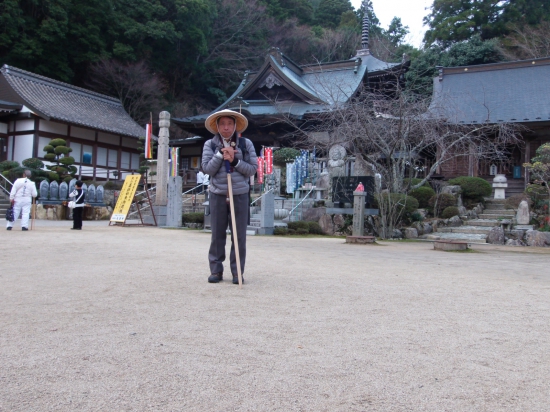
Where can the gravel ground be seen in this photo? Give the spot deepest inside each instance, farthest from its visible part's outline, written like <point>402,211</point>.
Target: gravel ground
<point>122,319</point>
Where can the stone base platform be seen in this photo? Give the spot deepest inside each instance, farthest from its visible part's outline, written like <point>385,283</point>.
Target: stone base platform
<point>362,240</point>
<point>450,245</point>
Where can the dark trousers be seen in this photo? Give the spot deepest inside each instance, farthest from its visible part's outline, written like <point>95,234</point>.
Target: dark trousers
<point>77,217</point>
<point>220,217</point>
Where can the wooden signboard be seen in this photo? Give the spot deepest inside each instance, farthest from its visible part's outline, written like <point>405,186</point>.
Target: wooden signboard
<point>126,198</point>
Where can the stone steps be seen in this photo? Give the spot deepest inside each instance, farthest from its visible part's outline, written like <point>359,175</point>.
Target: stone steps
<point>472,230</point>
<point>496,216</point>
<point>484,222</point>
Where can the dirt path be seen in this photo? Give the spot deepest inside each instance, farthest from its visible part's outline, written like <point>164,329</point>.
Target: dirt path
<point>122,319</point>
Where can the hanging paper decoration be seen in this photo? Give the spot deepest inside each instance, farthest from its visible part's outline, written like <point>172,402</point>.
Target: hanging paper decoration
<point>268,160</point>
<point>260,170</point>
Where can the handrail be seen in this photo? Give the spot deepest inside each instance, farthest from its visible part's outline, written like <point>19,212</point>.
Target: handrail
<point>4,186</point>
<point>258,198</point>
<point>143,191</point>
<point>190,190</point>
<point>301,201</point>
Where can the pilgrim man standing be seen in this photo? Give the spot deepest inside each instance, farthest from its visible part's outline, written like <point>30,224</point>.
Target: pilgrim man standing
<point>227,145</point>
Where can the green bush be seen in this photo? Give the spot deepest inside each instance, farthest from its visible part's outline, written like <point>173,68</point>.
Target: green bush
<point>280,231</point>
<point>8,164</point>
<point>196,217</point>
<point>33,163</point>
<point>61,150</point>
<point>423,194</point>
<point>50,156</point>
<point>315,228</point>
<point>474,188</point>
<point>449,212</point>
<point>285,155</point>
<point>414,181</point>
<point>53,176</point>
<point>404,204</point>
<point>444,200</point>
<point>56,142</point>
<point>300,224</point>
<point>291,232</point>
<point>302,232</point>
<point>67,160</point>
<point>416,217</point>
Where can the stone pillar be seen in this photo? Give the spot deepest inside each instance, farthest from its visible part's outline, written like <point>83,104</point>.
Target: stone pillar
<point>174,207</point>
<point>359,213</point>
<point>162,160</point>
<point>500,183</point>
<point>267,214</point>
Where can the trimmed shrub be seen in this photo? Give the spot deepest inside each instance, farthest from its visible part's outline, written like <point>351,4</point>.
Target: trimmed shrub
<point>404,204</point>
<point>416,217</point>
<point>449,212</point>
<point>33,163</point>
<point>196,217</point>
<point>414,181</point>
<point>300,224</point>
<point>285,155</point>
<point>53,176</point>
<point>315,228</point>
<point>49,148</point>
<point>474,188</point>
<point>513,201</point>
<point>280,231</point>
<point>444,200</point>
<point>302,231</point>
<point>56,142</point>
<point>61,150</point>
<point>67,160</point>
<point>291,232</point>
<point>50,156</point>
<point>423,194</point>
<point>8,164</point>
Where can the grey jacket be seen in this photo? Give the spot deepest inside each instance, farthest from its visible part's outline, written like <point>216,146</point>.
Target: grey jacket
<point>213,165</point>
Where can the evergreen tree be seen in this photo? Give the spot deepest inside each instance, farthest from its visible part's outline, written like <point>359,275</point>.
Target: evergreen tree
<point>330,12</point>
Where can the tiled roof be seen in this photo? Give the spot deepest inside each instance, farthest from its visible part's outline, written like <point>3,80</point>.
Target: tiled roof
<point>321,86</point>
<point>52,99</point>
<point>514,92</point>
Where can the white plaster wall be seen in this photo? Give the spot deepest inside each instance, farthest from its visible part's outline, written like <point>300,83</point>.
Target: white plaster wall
<point>102,173</point>
<point>42,141</point>
<point>24,125</point>
<point>81,133</point>
<point>87,171</point>
<point>107,138</point>
<point>4,128</point>
<point>53,127</point>
<point>23,147</point>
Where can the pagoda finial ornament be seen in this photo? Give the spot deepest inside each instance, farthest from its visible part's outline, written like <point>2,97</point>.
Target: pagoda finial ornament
<point>366,25</point>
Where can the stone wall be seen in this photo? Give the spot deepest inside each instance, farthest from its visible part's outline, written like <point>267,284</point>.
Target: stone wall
<point>60,212</point>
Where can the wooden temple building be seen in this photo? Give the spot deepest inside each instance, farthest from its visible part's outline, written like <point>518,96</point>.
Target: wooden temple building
<point>35,109</point>
<point>511,92</point>
<point>282,90</point>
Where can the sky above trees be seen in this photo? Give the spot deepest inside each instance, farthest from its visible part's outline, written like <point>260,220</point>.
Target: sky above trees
<point>411,12</point>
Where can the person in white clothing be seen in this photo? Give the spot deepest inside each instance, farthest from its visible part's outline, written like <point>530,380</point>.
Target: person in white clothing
<point>21,195</point>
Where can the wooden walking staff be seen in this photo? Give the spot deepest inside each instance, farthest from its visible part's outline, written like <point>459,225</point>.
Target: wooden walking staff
<point>33,212</point>
<point>233,222</point>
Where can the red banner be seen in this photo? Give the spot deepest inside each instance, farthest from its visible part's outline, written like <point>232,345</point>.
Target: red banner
<point>260,170</point>
<point>268,160</point>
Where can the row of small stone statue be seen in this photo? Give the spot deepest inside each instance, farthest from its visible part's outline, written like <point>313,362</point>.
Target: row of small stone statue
<point>59,192</point>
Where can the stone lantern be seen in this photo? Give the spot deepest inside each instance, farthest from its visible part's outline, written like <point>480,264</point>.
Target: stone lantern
<point>500,183</point>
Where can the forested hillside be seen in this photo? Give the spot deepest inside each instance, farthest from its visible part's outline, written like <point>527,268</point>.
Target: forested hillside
<point>186,56</point>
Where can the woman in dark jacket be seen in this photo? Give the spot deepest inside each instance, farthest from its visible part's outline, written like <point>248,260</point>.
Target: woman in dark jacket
<point>78,195</point>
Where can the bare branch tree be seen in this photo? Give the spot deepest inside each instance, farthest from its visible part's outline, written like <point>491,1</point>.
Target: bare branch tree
<point>139,90</point>
<point>527,42</point>
<point>401,136</point>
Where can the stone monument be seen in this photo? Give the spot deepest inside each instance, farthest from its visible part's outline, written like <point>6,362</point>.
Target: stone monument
<point>336,163</point>
<point>174,207</point>
<point>500,183</point>
<point>54,190</point>
<point>358,228</point>
<point>267,214</point>
<point>99,194</point>
<point>90,195</point>
<point>63,191</point>
<point>162,159</point>
<point>44,190</point>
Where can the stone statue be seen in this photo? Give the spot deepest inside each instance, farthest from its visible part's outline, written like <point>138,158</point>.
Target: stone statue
<point>336,163</point>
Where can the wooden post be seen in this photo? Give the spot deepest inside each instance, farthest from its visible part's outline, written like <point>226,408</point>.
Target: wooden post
<point>234,225</point>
